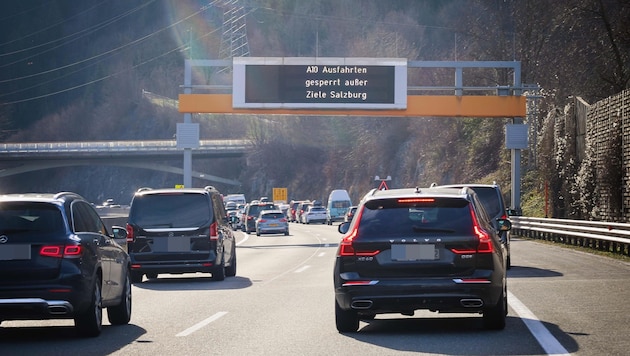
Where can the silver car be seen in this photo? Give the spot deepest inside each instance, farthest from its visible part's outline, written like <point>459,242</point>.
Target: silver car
<point>272,222</point>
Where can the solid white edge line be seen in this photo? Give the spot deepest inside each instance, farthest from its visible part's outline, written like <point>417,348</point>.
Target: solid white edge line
<point>201,324</point>
<point>547,341</point>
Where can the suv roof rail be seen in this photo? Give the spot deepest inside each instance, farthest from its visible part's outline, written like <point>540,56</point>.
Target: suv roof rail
<point>210,188</point>
<point>433,185</point>
<point>67,194</point>
<point>143,189</point>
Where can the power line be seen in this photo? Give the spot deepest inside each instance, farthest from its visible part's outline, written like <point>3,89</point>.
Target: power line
<point>112,51</point>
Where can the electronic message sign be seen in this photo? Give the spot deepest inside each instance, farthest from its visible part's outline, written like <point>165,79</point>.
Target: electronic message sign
<point>319,83</point>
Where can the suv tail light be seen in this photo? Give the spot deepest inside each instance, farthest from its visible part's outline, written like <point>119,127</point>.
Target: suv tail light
<point>214,231</point>
<point>485,241</point>
<point>130,233</point>
<point>346,247</point>
<point>61,251</point>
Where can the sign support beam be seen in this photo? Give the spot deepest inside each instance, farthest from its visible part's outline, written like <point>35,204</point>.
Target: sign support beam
<point>417,106</point>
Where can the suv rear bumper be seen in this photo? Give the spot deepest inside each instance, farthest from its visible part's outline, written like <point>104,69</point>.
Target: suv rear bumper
<point>29,308</point>
<point>174,268</point>
<point>404,296</point>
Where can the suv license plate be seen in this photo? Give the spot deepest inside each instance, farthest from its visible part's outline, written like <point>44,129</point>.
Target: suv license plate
<point>15,252</point>
<point>414,252</point>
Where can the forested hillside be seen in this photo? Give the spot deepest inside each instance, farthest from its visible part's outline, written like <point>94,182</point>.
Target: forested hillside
<point>110,70</point>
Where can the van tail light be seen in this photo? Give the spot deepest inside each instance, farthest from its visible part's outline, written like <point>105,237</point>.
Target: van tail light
<point>61,251</point>
<point>130,233</point>
<point>214,231</point>
<point>346,246</point>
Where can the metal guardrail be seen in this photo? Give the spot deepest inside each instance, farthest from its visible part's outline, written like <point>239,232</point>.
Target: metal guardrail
<point>600,235</point>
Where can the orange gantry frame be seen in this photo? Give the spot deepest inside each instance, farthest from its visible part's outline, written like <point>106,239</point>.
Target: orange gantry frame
<point>417,106</point>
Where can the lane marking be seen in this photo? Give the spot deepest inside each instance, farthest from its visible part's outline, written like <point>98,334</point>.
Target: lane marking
<point>243,240</point>
<point>548,342</point>
<point>302,269</point>
<point>322,254</point>
<point>201,324</point>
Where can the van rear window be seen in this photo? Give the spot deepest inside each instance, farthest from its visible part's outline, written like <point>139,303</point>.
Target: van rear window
<point>170,210</point>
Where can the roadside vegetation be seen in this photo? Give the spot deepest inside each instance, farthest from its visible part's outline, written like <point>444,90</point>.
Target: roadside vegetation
<point>566,49</point>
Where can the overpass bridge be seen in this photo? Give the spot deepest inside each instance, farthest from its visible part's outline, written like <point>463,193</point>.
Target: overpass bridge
<point>17,158</point>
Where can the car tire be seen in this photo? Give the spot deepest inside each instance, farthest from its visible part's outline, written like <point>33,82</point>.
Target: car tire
<point>218,274</point>
<point>347,321</point>
<point>90,322</point>
<point>494,317</point>
<point>136,277</point>
<point>286,233</point>
<point>121,314</point>
<point>230,271</point>
<point>257,233</point>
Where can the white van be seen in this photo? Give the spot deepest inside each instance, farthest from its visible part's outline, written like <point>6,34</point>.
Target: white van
<point>338,203</point>
<point>237,198</point>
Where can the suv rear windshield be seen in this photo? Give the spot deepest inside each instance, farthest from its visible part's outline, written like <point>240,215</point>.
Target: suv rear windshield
<point>30,217</point>
<point>490,200</point>
<point>177,210</point>
<point>389,217</point>
<point>255,209</point>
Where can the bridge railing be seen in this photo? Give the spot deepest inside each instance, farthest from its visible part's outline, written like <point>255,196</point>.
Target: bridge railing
<point>100,146</point>
<point>603,236</point>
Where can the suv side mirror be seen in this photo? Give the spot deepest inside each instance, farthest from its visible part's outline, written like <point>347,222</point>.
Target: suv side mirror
<point>343,227</point>
<point>504,224</point>
<point>512,212</point>
<point>119,232</point>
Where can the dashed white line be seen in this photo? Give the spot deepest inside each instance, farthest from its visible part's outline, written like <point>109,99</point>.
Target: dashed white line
<point>201,324</point>
<point>548,342</point>
<point>302,269</point>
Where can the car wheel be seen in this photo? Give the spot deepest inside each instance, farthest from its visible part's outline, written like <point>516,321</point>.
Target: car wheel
<point>90,322</point>
<point>121,314</point>
<point>230,271</point>
<point>136,277</point>
<point>347,320</point>
<point>257,233</point>
<point>286,232</point>
<point>218,274</point>
<point>494,317</point>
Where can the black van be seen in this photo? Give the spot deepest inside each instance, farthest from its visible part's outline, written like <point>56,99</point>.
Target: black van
<point>180,231</point>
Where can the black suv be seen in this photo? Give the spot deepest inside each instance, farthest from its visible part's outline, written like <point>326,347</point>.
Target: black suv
<point>180,231</point>
<point>492,200</point>
<point>58,261</point>
<point>410,249</point>
<point>252,210</point>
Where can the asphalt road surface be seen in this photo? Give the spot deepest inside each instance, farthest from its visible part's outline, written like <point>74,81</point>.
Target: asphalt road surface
<point>281,303</point>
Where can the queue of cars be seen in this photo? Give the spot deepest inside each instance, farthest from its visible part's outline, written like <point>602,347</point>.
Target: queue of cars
<point>441,248</point>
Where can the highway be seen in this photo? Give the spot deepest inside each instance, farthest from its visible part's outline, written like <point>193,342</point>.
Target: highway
<point>281,303</point>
